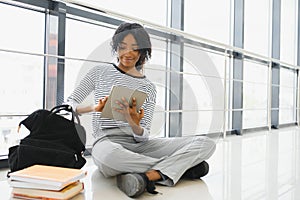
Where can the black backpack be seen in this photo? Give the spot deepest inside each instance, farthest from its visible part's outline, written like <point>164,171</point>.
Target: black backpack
<point>53,140</point>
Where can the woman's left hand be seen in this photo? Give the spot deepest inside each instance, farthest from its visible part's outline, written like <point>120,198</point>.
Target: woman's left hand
<point>130,113</point>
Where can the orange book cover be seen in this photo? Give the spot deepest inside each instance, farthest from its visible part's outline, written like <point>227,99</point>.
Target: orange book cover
<point>48,175</point>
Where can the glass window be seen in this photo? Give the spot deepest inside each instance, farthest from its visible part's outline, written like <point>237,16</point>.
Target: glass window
<point>255,95</point>
<point>155,12</point>
<point>255,118</point>
<point>202,122</point>
<point>288,31</point>
<point>88,42</point>
<point>21,78</point>
<point>287,96</point>
<point>21,83</point>
<point>155,72</point>
<point>201,62</point>
<point>208,19</point>
<point>257,18</point>
<point>22,30</point>
<point>203,92</point>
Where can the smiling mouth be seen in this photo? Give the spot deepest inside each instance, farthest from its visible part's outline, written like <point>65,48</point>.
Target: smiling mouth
<point>128,59</point>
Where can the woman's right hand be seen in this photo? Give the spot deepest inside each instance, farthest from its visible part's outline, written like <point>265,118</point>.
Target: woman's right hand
<point>101,104</point>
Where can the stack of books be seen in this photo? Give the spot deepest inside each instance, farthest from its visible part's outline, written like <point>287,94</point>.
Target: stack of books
<point>46,182</point>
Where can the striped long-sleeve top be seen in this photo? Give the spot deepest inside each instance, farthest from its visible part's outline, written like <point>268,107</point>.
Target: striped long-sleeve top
<point>100,79</point>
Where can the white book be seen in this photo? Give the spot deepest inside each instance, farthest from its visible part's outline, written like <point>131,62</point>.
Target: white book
<point>48,175</point>
<point>22,184</point>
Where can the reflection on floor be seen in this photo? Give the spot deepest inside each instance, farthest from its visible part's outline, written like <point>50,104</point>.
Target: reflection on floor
<point>261,165</point>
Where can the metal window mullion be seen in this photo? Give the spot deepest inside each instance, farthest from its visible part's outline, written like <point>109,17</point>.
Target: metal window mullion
<point>295,87</point>
<point>275,48</point>
<point>298,63</point>
<point>46,41</point>
<point>176,64</point>
<point>298,99</point>
<point>225,128</point>
<point>238,41</point>
<point>60,8</point>
<point>275,95</point>
<point>50,62</point>
<point>167,91</point>
<point>269,99</point>
<point>55,45</point>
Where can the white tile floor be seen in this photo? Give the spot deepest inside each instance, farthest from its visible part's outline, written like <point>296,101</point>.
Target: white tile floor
<point>261,165</point>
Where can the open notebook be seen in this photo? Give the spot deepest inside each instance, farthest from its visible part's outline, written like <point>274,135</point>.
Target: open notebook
<point>117,92</point>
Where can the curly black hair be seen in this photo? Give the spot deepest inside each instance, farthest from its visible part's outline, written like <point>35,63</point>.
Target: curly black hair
<point>140,35</point>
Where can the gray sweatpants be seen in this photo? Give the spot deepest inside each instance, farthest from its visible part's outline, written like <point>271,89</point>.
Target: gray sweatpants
<point>118,152</point>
